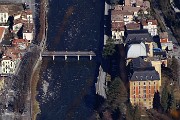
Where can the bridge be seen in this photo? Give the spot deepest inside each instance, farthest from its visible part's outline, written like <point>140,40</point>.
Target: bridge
<point>66,54</point>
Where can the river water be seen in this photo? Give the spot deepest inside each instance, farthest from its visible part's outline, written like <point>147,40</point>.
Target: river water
<point>66,88</point>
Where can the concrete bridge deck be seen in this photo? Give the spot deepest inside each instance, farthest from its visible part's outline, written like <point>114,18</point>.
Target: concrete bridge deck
<point>68,54</point>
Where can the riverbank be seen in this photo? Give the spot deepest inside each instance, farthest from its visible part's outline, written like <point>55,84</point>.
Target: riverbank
<point>35,78</point>
<point>41,36</point>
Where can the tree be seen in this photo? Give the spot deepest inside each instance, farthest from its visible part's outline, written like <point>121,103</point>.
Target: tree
<point>164,99</point>
<point>107,115</point>
<point>174,66</point>
<point>114,1</point>
<point>117,95</point>
<point>156,101</point>
<point>109,48</point>
<point>141,13</point>
<point>172,102</point>
<point>137,115</point>
<point>129,112</point>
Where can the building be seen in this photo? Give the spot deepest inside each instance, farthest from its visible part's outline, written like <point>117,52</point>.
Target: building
<point>136,50</point>
<point>4,14</point>
<point>151,26</point>
<point>134,10</point>
<point>117,29</point>
<point>28,32</point>
<point>128,17</point>
<point>116,16</point>
<point>8,66</point>
<point>138,36</point>
<point>121,16</point>
<point>144,82</point>
<point>22,44</point>
<point>10,60</point>
<point>2,32</point>
<point>165,42</point>
<point>18,23</point>
<point>133,26</point>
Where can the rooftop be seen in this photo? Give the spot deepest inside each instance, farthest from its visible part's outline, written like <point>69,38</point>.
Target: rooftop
<point>12,52</point>
<point>133,26</point>
<point>163,35</point>
<point>139,2</point>
<point>151,22</point>
<point>28,28</point>
<point>2,30</point>
<point>143,70</point>
<point>140,63</point>
<point>117,26</point>
<point>145,75</point>
<point>136,50</point>
<point>138,35</point>
<point>4,9</point>
<point>11,8</point>
<point>131,9</point>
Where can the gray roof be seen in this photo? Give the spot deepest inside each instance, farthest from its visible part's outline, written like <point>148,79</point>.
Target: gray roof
<point>138,35</point>
<point>145,75</point>
<point>140,63</point>
<point>143,70</point>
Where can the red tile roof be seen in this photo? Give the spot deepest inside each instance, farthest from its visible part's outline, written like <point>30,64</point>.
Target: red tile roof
<point>145,22</point>
<point>117,26</point>
<point>2,29</point>
<point>133,26</point>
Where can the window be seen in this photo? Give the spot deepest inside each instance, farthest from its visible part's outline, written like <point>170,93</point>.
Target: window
<point>134,83</point>
<point>139,83</point>
<point>144,91</point>
<point>144,83</point>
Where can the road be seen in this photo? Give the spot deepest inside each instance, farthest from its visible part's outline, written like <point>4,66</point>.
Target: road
<point>175,52</point>
<point>167,29</point>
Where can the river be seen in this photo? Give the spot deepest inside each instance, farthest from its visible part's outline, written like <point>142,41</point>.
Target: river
<point>66,88</point>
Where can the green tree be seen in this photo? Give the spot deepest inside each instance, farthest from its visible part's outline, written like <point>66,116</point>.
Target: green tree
<point>117,95</point>
<point>156,101</point>
<point>172,102</point>
<point>141,13</point>
<point>174,66</point>
<point>164,99</point>
<point>109,48</point>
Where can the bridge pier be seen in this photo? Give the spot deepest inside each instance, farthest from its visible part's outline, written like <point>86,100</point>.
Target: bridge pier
<point>78,57</point>
<point>90,57</point>
<point>53,57</point>
<point>65,57</point>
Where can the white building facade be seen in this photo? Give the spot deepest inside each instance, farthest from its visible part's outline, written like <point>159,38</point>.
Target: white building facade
<point>151,27</point>
<point>8,66</point>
